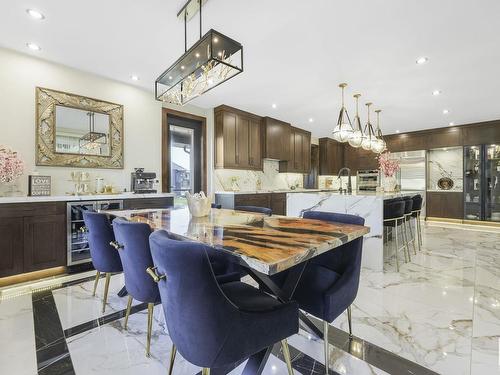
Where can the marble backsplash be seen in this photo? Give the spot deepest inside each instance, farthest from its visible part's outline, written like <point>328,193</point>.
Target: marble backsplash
<point>270,179</point>
<point>445,163</point>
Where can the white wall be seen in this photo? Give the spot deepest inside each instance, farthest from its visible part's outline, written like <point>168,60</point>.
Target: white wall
<point>20,74</point>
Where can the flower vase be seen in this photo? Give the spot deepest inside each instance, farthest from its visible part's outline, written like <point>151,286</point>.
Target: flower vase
<point>12,189</point>
<point>390,183</point>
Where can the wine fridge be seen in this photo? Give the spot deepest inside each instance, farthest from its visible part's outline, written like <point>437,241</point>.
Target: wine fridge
<point>78,246</point>
<point>482,182</point>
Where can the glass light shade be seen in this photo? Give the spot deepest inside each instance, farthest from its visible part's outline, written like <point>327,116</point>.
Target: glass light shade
<point>356,139</point>
<point>212,60</point>
<point>378,146</point>
<point>366,144</point>
<point>342,132</point>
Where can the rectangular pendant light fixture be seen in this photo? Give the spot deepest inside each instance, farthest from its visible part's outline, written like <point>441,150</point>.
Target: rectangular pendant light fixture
<point>212,60</point>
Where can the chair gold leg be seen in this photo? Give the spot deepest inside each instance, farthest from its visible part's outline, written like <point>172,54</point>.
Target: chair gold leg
<point>172,359</point>
<point>349,320</point>
<point>205,371</point>
<point>327,347</point>
<point>286,354</point>
<point>150,327</point>
<point>397,247</point>
<point>127,314</point>
<point>97,276</point>
<point>106,289</point>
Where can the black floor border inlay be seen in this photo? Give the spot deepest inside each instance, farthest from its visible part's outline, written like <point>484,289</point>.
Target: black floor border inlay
<point>52,354</point>
<point>301,362</point>
<point>371,353</point>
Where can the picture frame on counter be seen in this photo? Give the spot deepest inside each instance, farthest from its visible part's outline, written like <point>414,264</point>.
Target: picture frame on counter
<point>39,186</point>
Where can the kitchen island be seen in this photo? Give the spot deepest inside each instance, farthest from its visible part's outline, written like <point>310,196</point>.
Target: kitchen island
<point>367,205</point>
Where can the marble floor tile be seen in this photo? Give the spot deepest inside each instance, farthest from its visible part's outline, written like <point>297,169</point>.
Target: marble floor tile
<point>17,336</point>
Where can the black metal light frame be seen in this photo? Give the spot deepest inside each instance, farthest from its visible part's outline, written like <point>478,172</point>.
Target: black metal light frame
<point>163,84</point>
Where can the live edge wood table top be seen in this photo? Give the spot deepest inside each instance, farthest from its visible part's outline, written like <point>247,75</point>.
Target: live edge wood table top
<point>268,244</point>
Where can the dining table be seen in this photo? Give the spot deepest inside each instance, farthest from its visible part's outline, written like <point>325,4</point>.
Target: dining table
<point>263,245</point>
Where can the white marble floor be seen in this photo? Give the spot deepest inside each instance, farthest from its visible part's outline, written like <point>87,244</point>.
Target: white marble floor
<point>442,310</point>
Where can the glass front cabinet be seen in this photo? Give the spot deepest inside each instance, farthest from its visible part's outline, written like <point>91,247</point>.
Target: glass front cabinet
<point>482,182</point>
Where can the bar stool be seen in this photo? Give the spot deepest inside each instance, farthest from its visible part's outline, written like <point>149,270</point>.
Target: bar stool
<point>416,210</point>
<point>132,243</point>
<point>262,210</point>
<point>408,232</point>
<point>212,325</point>
<point>394,217</point>
<point>104,257</point>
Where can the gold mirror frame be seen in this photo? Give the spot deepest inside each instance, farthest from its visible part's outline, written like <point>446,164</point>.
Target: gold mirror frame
<point>46,155</point>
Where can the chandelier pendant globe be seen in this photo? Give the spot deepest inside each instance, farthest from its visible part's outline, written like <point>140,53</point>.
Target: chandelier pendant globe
<point>357,135</point>
<point>369,134</point>
<point>379,145</point>
<point>343,131</point>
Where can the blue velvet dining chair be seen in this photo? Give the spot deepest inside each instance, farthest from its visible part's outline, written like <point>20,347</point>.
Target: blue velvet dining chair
<point>104,257</point>
<point>132,244</point>
<point>215,325</point>
<point>330,281</point>
<point>261,210</point>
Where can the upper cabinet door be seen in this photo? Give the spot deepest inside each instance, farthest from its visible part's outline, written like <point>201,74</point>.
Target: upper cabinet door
<point>238,139</point>
<point>331,156</point>
<point>300,152</point>
<point>306,152</point>
<point>277,135</point>
<point>255,144</point>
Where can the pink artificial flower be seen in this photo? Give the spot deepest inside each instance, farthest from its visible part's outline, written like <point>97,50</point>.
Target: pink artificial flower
<point>387,165</point>
<point>11,166</point>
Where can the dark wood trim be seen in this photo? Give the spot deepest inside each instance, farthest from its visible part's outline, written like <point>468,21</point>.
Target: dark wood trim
<point>165,155</point>
<point>224,107</point>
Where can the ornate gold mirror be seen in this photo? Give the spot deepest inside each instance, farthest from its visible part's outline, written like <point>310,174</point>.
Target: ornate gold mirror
<point>76,131</point>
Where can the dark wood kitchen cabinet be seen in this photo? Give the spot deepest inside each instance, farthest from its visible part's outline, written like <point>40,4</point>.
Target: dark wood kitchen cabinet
<point>331,156</point>
<point>357,159</point>
<point>445,205</point>
<point>32,237</point>
<point>299,160</point>
<point>238,139</point>
<point>258,200</point>
<point>277,139</point>
<point>278,203</point>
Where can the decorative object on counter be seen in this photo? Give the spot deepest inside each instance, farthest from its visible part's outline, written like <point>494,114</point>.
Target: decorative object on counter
<point>357,136</point>
<point>81,183</point>
<point>388,167</point>
<point>258,184</point>
<point>99,185</point>
<point>212,60</point>
<point>142,182</point>
<point>369,134</point>
<point>58,143</point>
<point>11,168</point>
<point>199,205</point>
<point>378,144</point>
<point>445,183</point>
<point>39,186</point>
<point>343,131</point>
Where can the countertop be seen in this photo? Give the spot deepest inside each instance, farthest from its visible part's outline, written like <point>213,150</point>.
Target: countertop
<point>264,191</point>
<point>355,193</point>
<point>72,198</point>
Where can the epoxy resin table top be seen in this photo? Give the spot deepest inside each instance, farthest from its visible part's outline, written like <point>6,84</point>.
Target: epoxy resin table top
<point>268,244</point>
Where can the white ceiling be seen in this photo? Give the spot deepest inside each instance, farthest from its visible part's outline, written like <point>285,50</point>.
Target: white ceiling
<point>295,53</point>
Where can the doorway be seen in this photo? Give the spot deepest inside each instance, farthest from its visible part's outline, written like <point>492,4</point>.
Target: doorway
<point>183,154</point>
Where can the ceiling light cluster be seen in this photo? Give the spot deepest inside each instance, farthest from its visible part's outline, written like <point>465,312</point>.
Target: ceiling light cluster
<point>423,60</point>
<point>367,138</point>
<point>35,14</point>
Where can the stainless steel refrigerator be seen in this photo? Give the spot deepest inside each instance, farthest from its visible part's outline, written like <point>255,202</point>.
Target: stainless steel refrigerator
<point>482,182</point>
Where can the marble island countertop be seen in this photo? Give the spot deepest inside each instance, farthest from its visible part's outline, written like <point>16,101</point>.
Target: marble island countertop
<point>385,195</point>
<point>269,244</point>
<point>92,197</point>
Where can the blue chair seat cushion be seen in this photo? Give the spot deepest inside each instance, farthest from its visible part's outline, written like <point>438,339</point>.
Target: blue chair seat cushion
<point>315,282</point>
<point>248,298</point>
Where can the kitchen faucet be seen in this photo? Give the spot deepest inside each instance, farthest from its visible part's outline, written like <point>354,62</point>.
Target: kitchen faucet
<point>349,186</point>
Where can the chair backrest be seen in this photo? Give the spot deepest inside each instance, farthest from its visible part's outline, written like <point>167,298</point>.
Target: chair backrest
<point>136,257</point>
<point>100,234</point>
<point>417,202</point>
<point>394,209</point>
<point>346,258</point>
<point>262,210</point>
<point>408,205</point>
<point>197,312</point>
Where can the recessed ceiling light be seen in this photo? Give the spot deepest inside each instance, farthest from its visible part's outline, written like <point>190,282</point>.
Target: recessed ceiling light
<point>422,60</point>
<point>216,40</point>
<point>451,123</point>
<point>170,77</point>
<point>197,54</point>
<point>436,92</point>
<point>35,14</point>
<point>134,78</point>
<point>219,53</point>
<point>445,111</point>
<point>397,131</point>
<point>182,67</point>
<point>33,46</point>
<point>274,105</point>
<point>311,120</point>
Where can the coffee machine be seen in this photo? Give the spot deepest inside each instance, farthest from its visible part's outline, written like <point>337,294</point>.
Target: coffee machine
<point>143,182</point>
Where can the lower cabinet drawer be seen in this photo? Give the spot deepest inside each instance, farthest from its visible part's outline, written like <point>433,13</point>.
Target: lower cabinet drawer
<point>259,200</point>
